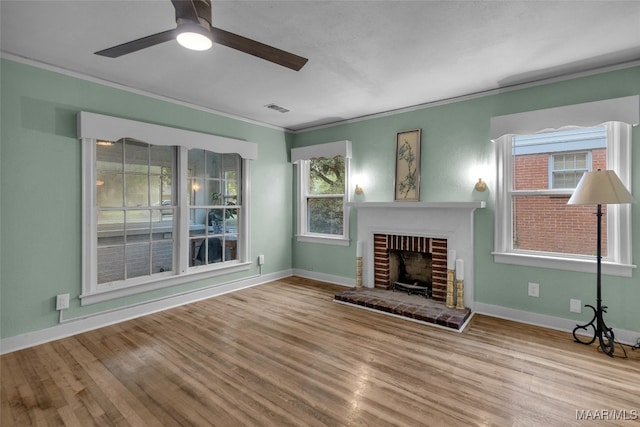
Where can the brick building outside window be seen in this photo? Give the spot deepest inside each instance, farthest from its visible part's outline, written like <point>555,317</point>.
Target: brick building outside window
<point>546,169</point>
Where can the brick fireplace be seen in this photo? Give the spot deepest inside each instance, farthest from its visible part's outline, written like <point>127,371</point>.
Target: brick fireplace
<point>384,244</point>
<point>435,227</point>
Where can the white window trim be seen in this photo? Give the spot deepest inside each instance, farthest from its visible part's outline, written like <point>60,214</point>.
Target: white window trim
<point>301,157</point>
<point>619,257</point>
<point>95,126</point>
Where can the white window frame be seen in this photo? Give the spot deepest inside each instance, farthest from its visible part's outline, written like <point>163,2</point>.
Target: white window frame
<point>92,127</point>
<point>619,257</point>
<point>301,157</point>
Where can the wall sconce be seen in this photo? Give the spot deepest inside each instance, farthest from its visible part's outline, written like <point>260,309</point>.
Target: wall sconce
<point>359,190</point>
<point>480,186</point>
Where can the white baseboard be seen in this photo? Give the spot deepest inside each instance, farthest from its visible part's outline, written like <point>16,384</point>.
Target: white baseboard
<point>73,326</point>
<point>558,323</point>
<point>323,277</point>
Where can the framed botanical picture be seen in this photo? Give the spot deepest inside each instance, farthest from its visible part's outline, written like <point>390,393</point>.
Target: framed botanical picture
<point>407,179</point>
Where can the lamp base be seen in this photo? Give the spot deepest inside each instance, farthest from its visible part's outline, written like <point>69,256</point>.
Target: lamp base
<point>604,334</point>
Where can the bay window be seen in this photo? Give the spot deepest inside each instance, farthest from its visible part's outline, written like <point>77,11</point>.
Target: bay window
<point>161,206</point>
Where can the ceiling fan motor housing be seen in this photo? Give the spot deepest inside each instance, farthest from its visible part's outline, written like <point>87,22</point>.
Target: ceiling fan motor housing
<point>193,11</point>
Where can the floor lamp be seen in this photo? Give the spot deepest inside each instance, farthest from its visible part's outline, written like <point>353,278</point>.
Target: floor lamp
<point>599,188</point>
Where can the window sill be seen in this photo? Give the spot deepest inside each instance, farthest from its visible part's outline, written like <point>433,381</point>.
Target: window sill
<point>558,263</point>
<point>108,293</point>
<point>338,241</point>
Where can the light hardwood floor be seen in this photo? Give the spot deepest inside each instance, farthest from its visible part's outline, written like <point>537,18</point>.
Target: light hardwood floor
<point>284,354</point>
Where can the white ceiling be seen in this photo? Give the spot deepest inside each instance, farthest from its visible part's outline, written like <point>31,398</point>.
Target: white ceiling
<point>365,57</point>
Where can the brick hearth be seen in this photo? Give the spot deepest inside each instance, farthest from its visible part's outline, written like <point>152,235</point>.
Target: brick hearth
<point>410,306</point>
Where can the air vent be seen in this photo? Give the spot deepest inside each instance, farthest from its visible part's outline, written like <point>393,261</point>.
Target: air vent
<point>277,108</point>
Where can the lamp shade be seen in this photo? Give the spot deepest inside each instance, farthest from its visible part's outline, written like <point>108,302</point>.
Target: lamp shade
<point>600,188</point>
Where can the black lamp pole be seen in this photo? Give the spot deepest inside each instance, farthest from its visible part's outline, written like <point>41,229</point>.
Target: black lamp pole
<point>600,330</point>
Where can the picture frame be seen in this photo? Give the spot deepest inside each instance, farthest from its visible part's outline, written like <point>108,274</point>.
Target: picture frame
<point>407,177</point>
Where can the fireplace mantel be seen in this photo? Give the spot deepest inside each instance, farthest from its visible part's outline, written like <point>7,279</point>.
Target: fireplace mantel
<point>419,205</point>
<point>449,220</point>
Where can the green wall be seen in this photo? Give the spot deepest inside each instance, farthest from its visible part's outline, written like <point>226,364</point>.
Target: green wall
<point>41,220</point>
<point>456,151</point>
<point>40,191</point>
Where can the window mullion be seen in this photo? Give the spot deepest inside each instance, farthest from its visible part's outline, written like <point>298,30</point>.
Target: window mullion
<point>181,246</point>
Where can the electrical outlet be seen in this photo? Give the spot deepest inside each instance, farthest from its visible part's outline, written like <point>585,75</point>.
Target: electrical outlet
<point>62,301</point>
<point>534,289</point>
<point>575,305</point>
<point>260,259</point>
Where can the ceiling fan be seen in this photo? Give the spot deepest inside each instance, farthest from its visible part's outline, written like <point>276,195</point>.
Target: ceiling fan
<point>194,31</point>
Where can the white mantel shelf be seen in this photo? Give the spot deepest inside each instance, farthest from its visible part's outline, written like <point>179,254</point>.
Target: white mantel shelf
<point>419,205</point>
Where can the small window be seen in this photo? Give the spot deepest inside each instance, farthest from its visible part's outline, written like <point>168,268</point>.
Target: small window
<point>325,196</point>
<point>534,224</point>
<point>323,174</point>
<point>568,168</point>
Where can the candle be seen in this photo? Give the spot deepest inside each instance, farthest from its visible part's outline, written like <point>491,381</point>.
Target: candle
<point>358,249</point>
<point>459,269</point>
<point>451,259</point>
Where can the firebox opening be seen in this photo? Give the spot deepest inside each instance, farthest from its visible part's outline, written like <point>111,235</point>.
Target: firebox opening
<point>411,268</point>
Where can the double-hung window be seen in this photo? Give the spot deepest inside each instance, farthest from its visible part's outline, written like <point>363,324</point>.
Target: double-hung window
<point>323,175</point>
<point>537,173</point>
<point>161,206</point>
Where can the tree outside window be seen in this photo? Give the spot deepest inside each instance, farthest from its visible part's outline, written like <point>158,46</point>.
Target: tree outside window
<point>326,196</point>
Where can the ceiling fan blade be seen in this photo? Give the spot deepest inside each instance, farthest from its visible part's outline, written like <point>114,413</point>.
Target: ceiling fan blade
<point>135,45</point>
<point>261,50</point>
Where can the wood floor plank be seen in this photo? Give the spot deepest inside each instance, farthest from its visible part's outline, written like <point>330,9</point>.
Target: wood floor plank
<point>285,354</point>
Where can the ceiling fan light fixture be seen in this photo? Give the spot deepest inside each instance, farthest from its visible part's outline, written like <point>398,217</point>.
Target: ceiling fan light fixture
<point>194,36</point>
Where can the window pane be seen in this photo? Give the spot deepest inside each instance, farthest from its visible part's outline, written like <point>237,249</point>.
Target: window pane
<point>109,189</point>
<point>162,256</point>
<point>326,176</point>
<point>548,224</point>
<point>162,160</point>
<point>136,156</point>
<point>197,221</point>
<point>137,189</point>
<point>214,192</point>
<point>110,228</point>
<point>110,264</point>
<point>214,163</point>
<point>196,163</point>
<point>325,215</point>
<point>138,260</point>
<point>216,221</point>
<point>230,247</point>
<point>109,155</point>
<point>231,220</point>
<point>138,226</point>
<point>162,224</point>
<point>196,191</point>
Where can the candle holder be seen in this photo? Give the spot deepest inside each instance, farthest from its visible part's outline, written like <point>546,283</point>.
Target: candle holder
<point>460,299</point>
<point>450,298</point>
<point>359,272</point>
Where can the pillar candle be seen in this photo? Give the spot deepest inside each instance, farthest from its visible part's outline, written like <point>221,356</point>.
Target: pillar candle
<point>459,269</point>
<point>358,249</point>
<point>451,259</point>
